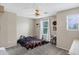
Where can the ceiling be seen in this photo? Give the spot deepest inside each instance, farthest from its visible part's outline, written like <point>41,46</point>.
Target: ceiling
<point>46,9</point>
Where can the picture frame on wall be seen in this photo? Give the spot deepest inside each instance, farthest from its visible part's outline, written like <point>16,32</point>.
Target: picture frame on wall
<point>73,22</point>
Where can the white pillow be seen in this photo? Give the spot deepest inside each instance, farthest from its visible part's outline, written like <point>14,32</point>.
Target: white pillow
<point>3,51</point>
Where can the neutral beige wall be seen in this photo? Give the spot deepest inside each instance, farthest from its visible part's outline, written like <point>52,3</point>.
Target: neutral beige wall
<point>7,29</point>
<point>37,28</point>
<point>25,26</point>
<point>52,18</point>
<point>64,37</point>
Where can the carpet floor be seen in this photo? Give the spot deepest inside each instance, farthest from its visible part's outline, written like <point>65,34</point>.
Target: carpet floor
<point>47,49</point>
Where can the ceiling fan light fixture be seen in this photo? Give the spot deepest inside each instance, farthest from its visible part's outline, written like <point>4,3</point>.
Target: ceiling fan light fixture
<point>37,13</point>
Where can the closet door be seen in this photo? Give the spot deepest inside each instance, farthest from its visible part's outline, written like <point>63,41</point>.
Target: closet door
<point>3,30</point>
<point>0,29</point>
<point>12,41</point>
<point>8,30</point>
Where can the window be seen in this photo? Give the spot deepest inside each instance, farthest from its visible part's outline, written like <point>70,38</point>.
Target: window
<point>73,22</point>
<point>45,27</point>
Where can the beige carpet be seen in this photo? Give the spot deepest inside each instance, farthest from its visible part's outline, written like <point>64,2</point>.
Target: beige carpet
<point>47,49</point>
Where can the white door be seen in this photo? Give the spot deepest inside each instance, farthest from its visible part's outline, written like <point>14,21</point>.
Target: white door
<point>44,29</point>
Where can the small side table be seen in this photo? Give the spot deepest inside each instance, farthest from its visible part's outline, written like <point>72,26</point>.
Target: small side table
<point>53,40</point>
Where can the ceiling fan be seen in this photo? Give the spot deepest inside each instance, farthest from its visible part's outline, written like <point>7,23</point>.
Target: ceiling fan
<point>37,12</point>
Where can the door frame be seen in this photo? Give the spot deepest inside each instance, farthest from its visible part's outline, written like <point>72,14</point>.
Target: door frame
<point>42,20</point>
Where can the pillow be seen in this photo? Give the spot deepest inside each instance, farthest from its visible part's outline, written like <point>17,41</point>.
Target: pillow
<point>3,51</point>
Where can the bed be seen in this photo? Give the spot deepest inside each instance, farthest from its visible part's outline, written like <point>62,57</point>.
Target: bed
<point>30,42</point>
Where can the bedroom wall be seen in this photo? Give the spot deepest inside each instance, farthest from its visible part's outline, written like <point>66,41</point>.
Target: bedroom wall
<point>37,28</point>
<point>64,37</point>
<point>25,26</point>
<point>52,18</point>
